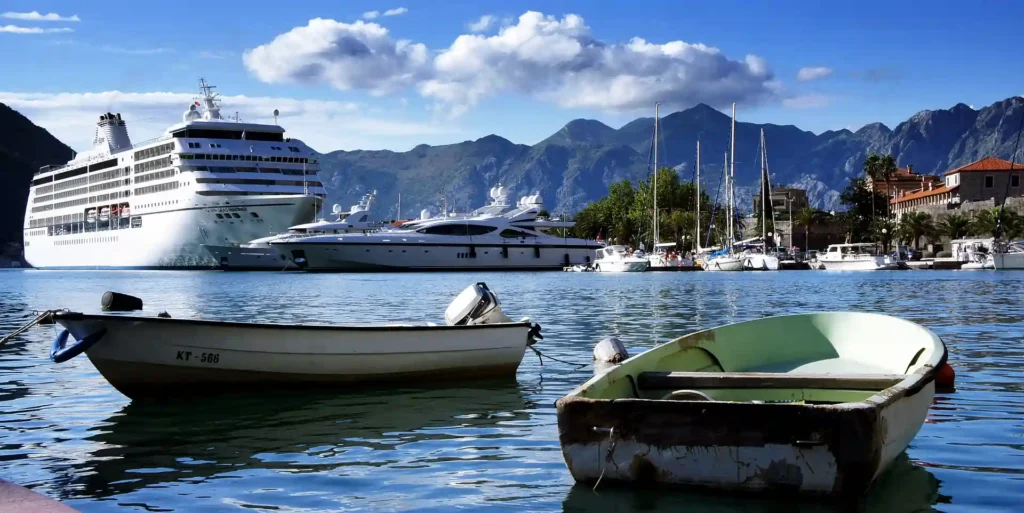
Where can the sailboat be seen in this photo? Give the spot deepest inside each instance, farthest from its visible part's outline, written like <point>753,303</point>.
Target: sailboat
<point>754,260</point>
<point>726,259</point>
<point>658,259</point>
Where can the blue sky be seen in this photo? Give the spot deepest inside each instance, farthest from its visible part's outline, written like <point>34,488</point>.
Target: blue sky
<point>426,74</point>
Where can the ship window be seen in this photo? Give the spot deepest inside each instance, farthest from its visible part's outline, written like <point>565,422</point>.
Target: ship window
<point>512,234</point>
<point>220,216</point>
<point>254,214</point>
<point>236,216</point>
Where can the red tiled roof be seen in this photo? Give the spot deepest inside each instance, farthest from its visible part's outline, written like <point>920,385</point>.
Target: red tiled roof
<point>986,164</point>
<point>924,194</point>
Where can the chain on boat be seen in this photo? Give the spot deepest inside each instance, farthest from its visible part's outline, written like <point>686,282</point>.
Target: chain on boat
<point>45,317</point>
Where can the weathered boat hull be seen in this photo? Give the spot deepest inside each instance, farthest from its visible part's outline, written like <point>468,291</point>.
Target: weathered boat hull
<point>143,356</point>
<point>823,450</point>
<point>819,404</point>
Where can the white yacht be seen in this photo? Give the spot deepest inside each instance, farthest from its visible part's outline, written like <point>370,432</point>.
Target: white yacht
<point>513,240</point>
<point>725,260</point>
<point>258,254</point>
<point>206,180</point>
<point>616,259</point>
<point>855,257</point>
<point>977,254</point>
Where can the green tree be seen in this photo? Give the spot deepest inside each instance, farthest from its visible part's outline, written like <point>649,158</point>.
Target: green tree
<point>914,225</point>
<point>808,217</point>
<point>880,168</point>
<point>861,204</point>
<point>954,226</point>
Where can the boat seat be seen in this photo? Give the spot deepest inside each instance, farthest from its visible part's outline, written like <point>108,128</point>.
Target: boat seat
<point>843,366</point>
<point>697,380</point>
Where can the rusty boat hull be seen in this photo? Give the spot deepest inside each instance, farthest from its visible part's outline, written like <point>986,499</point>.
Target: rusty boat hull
<point>817,404</point>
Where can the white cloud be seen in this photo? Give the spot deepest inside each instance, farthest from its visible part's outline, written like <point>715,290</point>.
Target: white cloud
<point>324,125</point>
<point>345,55</point>
<point>807,101</point>
<point>14,29</point>
<point>559,60</point>
<point>485,22</point>
<point>816,73</point>
<point>371,15</point>
<point>555,59</point>
<point>35,16</point>
<point>398,11</point>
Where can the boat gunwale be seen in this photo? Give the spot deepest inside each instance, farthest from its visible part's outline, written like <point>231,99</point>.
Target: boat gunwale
<point>78,316</point>
<point>908,387</point>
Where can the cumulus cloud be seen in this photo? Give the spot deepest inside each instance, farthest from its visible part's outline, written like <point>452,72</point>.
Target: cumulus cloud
<point>371,15</point>
<point>14,29</point>
<point>398,11</point>
<point>559,60</point>
<point>816,73</point>
<point>36,16</point>
<point>806,101</point>
<point>552,58</point>
<point>345,55</point>
<point>324,125</point>
<point>485,22</point>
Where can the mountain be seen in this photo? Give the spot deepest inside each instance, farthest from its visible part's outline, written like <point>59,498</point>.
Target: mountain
<point>24,148</point>
<point>575,165</point>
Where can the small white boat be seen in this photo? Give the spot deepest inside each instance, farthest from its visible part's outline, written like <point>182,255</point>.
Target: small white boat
<point>1008,255</point>
<point>615,259</point>
<point>724,261</point>
<point>856,257</point>
<point>159,356</point>
<point>818,403</point>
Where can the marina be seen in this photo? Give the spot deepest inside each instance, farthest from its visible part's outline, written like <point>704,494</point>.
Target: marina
<point>71,436</point>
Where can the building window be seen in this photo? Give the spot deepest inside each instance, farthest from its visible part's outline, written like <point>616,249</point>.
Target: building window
<point>1015,181</point>
<point>990,181</point>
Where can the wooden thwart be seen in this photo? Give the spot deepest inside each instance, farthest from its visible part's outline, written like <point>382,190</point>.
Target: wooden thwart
<point>697,380</point>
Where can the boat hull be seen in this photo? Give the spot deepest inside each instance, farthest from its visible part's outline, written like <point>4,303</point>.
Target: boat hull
<point>142,356</point>
<point>867,264</point>
<point>834,451</point>
<point>760,263</point>
<point>621,266</point>
<point>239,258</point>
<point>1008,260</point>
<point>724,264</point>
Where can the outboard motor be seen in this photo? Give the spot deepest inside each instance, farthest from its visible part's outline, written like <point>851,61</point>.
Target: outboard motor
<point>475,305</point>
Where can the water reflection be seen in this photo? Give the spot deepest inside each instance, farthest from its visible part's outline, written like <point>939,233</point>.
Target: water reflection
<point>904,488</point>
<point>159,443</point>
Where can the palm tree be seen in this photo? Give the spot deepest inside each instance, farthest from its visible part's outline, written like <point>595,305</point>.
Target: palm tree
<point>984,222</point>
<point>872,165</point>
<point>954,226</point>
<point>886,169</point>
<point>916,224</point>
<point>808,217</point>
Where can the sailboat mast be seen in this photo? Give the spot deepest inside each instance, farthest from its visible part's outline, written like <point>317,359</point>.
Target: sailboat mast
<point>728,225</point>
<point>697,239</point>
<point>764,197</point>
<point>655,234</point>
<point>732,179</point>
<point>399,206</point>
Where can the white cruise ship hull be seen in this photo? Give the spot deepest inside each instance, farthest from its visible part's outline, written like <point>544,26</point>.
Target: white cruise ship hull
<point>381,256</point>
<point>860,264</point>
<point>170,239</point>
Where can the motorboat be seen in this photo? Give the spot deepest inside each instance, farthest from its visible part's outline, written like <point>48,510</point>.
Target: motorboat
<point>663,260</point>
<point>258,254</point>
<point>975,254</point>
<point>856,257</point>
<point>514,240</point>
<point>158,355</point>
<point>818,403</point>
<point>616,259</point>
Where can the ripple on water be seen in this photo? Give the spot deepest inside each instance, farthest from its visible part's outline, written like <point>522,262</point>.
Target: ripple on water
<point>66,433</point>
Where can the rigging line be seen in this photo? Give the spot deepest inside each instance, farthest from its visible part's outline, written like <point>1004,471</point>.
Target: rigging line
<point>1013,161</point>
<point>714,211</point>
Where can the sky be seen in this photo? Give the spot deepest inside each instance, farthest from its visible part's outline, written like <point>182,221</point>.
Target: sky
<point>391,75</point>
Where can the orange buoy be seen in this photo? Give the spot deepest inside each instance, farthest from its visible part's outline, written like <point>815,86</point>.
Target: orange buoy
<point>945,378</point>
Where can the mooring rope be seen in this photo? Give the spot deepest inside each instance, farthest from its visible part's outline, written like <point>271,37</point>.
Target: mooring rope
<point>607,456</point>
<point>39,318</point>
<point>540,356</point>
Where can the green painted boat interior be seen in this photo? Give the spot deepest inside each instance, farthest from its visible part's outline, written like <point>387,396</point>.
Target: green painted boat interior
<point>821,358</point>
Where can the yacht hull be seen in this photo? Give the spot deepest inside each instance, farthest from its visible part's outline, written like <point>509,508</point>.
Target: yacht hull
<point>384,257</point>
<point>724,264</point>
<point>760,263</point>
<point>239,258</point>
<point>872,264</point>
<point>1008,260</point>
<point>622,266</point>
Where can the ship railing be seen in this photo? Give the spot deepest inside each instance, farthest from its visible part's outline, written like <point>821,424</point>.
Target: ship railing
<point>151,141</point>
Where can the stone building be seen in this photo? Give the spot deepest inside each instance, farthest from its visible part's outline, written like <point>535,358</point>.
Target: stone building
<point>784,200</point>
<point>988,179</point>
<point>904,181</point>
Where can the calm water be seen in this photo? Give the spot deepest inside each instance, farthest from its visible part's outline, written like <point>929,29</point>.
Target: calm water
<point>66,433</point>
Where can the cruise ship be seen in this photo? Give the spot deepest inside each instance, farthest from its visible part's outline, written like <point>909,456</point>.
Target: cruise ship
<point>153,205</point>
